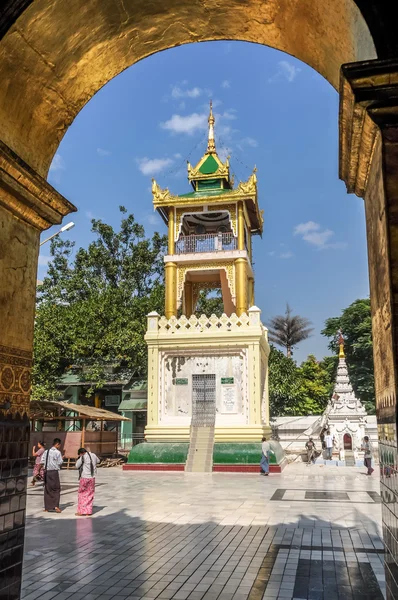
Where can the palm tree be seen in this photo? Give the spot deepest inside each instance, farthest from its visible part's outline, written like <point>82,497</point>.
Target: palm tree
<point>289,330</point>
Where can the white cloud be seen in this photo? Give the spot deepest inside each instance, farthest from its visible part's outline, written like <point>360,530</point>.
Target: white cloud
<point>315,235</point>
<point>152,166</point>
<point>153,218</point>
<point>286,72</point>
<point>224,152</point>
<point>304,228</point>
<point>226,84</point>
<point>103,152</point>
<point>178,156</point>
<point>286,255</point>
<point>89,215</point>
<point>272,253</point>
<point>248,141</point>
<point>178,92</point>
<point>229,114</point>
<point>58,164</point>
<point>44,260</point>
<point>188,124</point>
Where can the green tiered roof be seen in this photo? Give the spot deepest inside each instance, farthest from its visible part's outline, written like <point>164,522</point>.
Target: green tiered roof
<point>209,166</point>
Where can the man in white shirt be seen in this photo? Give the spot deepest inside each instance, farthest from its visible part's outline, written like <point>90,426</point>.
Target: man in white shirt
<point>52,461</point>
<point>265,449</point>
<point>329,441</point>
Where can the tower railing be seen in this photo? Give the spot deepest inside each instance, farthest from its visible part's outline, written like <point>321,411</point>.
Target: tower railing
<point>208,242</point>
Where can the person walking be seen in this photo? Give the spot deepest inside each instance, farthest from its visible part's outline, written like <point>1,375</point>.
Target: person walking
<point>52,460</point>
<point>38,468</point>
<point>265,449</point>
<point>329,441</point>
<point>87,465</point>
<point>311,451</point>
<point>367,448</point>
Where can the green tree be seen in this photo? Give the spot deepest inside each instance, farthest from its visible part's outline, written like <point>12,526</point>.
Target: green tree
<point>209,303</point>
<point>289,330</point>
<point>284,384</point>
<point>355,322</point>
<point>92,307</point>
<point>294,390</point>
<point>316,385</point>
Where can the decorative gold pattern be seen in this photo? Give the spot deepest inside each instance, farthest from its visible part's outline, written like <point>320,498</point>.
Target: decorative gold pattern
<point>15,382</point>
<point>27,195</point>
<point>160,195</point>
<point>183,270</point>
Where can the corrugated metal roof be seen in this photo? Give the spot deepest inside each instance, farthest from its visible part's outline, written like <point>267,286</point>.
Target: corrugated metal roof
<point>39,408</point>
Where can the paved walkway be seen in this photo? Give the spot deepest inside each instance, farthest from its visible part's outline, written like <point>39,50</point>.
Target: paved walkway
<point>310,533</point>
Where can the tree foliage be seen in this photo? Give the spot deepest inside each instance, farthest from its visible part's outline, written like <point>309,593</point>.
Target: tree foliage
<point>289,330</point>
<point>209,303</point>
<point>91,308</point>
<point>355,323</point>
<point>294,390</point>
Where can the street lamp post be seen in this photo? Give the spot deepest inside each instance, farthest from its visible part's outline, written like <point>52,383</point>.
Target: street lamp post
<point>64,228</point>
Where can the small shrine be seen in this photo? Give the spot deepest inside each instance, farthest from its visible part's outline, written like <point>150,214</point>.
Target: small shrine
<point>345,416</point>
<point>207,376</point>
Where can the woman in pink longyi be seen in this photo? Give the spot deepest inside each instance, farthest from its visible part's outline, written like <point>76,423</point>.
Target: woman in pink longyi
<point>39,467</point>
<point>87,465</point>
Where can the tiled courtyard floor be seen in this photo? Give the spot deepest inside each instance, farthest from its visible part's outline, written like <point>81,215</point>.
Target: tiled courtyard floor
<point>310,533</point>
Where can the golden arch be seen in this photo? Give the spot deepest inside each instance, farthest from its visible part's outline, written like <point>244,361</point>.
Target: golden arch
<point>58,54</point>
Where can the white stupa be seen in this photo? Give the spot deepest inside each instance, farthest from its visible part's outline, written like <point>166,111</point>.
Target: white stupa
<point>345,415</point>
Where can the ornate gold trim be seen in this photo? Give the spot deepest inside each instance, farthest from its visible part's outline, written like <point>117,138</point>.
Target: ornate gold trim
<point>15,380</point>
<point>183,270</point>
<point>180,212</point>
<point>27,195</point>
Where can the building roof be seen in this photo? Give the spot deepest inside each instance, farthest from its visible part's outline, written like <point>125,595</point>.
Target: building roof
<point>133,404</point>
<point>76,377</point>
<point>212,184</point>
<point>49,410</point>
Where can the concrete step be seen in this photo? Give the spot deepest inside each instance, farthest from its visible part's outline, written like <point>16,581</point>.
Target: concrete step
<point>200,454</point>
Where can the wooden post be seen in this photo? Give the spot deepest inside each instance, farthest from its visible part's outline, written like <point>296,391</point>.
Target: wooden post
<point>83,432</point>
<point>117,437</point>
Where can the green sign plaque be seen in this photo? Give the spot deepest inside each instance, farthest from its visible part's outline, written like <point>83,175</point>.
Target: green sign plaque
<point>182,381</point>
<point>227,380</point>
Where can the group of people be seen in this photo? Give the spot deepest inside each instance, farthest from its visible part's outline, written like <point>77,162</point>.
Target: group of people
<point>47,466</point>
<point>327,441</point>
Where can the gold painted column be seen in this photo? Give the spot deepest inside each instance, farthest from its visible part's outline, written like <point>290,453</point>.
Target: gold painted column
<point>171,248</point>
<point>369,167</point>
<point>171,271</point>
<point>241,226</point>
<point>251,292</point>
<point>28,205</point>
<point>241,266</point>
<point>188,298</point>
<point>241,285</point>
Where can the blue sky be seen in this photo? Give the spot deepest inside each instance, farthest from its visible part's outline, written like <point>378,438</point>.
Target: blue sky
<point>272,111</point>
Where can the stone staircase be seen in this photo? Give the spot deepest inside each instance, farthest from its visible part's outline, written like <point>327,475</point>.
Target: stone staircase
<point>349,459</point>
<point>200,454</point>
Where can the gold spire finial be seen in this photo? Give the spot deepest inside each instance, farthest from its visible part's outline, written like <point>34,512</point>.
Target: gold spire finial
<point>341,345</point>
<point>211,145</point>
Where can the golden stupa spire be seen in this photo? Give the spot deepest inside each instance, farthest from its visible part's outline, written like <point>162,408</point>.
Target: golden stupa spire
<point>341,345</point>
<point>211,145</point>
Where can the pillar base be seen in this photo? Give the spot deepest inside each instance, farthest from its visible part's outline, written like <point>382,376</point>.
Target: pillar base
<point>233,457</point>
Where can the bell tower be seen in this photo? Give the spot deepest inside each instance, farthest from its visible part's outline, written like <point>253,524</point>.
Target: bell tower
<point>209,235</point>
<point>207,376</point>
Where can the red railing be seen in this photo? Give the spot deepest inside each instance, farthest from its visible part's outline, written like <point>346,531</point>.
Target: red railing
<point>209,242</point>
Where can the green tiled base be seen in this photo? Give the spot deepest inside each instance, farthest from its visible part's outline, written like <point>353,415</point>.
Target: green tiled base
<point>223,454</point>
<point>159,452</point>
